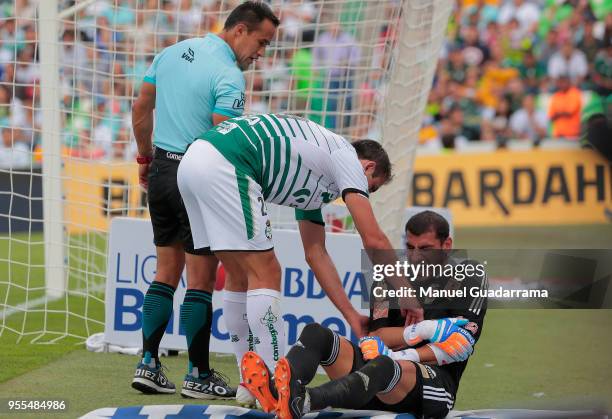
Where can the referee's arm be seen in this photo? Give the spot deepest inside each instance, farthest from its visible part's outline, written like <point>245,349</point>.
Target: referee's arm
<point>142,119</point>
<point>142,124</point>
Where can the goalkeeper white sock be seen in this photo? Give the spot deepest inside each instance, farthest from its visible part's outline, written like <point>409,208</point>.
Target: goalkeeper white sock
<point>235,315</point>
<point>266,322</point>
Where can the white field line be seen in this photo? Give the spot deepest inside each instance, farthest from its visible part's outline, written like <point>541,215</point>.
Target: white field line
<point>8,311</point>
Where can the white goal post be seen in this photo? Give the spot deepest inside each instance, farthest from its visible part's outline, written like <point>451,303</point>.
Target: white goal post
<point>423,27</point>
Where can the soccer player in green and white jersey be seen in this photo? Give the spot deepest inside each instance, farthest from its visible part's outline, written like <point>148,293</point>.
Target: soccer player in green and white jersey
<point>225,179</point>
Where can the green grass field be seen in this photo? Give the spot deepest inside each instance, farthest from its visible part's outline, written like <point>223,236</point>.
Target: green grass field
<point>22,283</point>
<point>525,358</point>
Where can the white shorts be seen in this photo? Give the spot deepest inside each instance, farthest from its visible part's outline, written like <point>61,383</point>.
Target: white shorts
<point>226,208</point>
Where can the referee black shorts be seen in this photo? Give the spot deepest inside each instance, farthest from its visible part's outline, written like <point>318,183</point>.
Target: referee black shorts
<point>168,213</point>
<point>433,396</point>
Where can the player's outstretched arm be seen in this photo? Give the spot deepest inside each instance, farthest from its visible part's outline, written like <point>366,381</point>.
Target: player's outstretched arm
<point>380,249</point>
<point>313,239</point>
<point>372,237</point>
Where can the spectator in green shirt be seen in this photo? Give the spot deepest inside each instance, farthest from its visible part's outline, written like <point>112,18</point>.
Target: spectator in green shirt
<point>532,71</point>
<point>307,83</point>
<point>602,71</point>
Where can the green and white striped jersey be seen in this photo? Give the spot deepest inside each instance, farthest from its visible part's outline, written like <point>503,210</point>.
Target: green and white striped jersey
<point>297,162</point>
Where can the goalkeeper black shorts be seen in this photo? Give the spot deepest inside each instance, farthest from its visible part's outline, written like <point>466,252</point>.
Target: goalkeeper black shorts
<point>433,396</point>
<point>166,207</point>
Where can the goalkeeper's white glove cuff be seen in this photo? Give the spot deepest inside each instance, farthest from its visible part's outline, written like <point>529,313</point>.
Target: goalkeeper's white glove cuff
<point>405,355</point>
<point>416,333</point>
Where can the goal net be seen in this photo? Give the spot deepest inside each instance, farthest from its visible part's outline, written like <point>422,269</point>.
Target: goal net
<point>69,72</point>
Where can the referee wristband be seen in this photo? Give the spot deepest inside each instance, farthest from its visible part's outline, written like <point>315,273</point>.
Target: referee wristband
<point>144,159</point>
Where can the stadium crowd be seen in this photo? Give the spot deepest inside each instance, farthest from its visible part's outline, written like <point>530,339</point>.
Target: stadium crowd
<point>518,69</point>
<point>510,69</point>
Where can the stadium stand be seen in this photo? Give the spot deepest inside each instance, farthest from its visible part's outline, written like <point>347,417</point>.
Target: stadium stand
<point>497,79</point>
<point>499,52</point>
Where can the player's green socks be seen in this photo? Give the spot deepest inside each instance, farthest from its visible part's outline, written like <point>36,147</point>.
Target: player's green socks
<point>196,321</point>
<point>156,312</point>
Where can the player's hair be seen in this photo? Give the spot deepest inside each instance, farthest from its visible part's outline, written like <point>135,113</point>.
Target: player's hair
<point>251,14</point>
<point>426,221</point>
<point>372,150</point>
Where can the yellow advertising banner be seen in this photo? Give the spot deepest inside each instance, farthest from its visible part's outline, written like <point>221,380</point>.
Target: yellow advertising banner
<point>97,191</point>
<point>535,187</point>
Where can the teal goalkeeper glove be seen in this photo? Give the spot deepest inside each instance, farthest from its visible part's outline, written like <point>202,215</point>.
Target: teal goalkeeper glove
<point>372,347</point>
<point>432,330</point>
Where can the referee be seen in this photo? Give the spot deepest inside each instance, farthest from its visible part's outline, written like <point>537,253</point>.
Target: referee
<point>192,86</point>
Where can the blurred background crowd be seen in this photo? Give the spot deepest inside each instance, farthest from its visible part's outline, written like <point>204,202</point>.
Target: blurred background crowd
<point>509,70</point>
<point>517,69</point>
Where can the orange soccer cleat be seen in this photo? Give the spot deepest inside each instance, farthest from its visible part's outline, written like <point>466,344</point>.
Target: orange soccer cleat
<point>291,392</point>
<point>257,379</point>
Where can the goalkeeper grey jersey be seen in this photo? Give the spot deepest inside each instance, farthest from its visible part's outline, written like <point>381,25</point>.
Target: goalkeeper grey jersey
<point>297,162</point>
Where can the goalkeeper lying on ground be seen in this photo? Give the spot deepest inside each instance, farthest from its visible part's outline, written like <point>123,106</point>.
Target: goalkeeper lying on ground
<point>420,376</point>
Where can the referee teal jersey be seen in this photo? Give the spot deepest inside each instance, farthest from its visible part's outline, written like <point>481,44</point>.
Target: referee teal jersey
<point>193,79</point>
